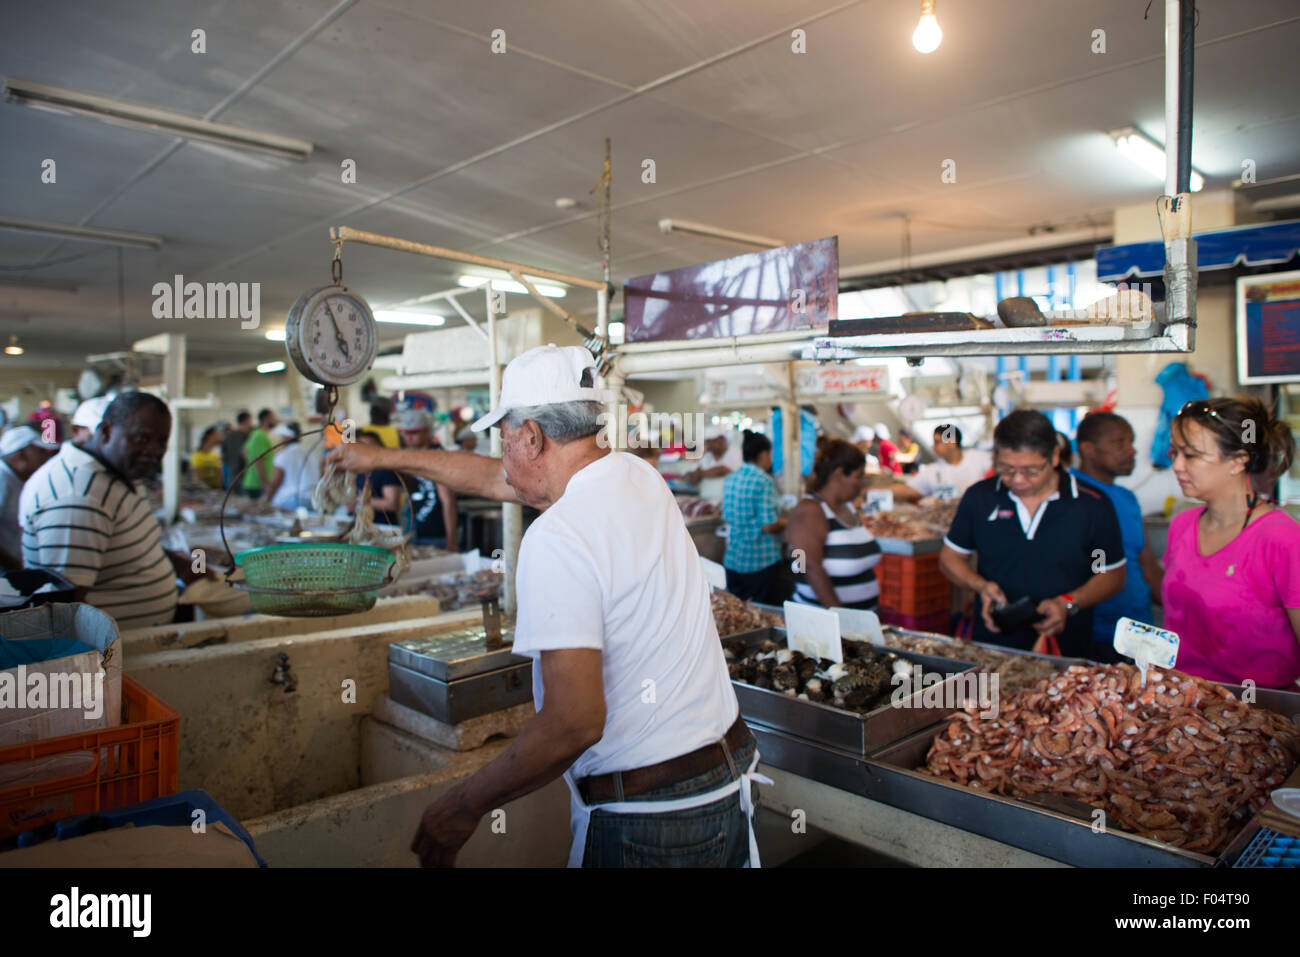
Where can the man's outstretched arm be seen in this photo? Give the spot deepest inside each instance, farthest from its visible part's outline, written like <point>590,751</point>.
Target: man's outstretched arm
<point>463,472</point>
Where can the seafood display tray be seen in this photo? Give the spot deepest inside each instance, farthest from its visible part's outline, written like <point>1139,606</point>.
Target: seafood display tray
<point>909,546</point>
<point>849,731</point>
<point>1058,660</point>
<point>1051,826</point>
<point>1062,832</point>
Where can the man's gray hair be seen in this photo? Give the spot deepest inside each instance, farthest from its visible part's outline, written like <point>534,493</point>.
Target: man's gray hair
<point>561,421</point>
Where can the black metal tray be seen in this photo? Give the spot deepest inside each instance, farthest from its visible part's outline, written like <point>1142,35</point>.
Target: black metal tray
<point>850,731</point>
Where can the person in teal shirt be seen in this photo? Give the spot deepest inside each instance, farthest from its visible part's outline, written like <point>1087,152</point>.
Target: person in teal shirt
<point>750,509</point>
<point>1105,443</point>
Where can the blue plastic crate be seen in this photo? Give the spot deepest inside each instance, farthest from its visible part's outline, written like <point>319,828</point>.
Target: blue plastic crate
<point>174,810</point>
<point>1270,849</point>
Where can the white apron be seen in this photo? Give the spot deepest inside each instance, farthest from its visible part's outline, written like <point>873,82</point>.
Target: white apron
<point>580,812</point>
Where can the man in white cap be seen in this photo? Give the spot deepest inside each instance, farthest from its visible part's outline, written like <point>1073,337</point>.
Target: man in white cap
<point>23,450</point>
<point>86,419</point>
<point>629,679</point>
<point>720,459</point>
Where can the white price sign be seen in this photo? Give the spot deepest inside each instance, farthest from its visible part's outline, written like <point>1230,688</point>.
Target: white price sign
<point>858,624</point>
<point>1146,644</point>
<point>812,631</point>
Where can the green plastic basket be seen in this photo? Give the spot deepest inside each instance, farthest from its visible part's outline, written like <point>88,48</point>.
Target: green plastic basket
<point>314,579</point>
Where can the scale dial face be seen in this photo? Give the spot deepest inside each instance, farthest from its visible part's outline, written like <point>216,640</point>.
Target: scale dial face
<point>330,336</point>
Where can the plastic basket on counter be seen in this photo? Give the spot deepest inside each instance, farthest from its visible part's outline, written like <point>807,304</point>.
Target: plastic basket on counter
<point>310,580</point>
<point>44,780</point>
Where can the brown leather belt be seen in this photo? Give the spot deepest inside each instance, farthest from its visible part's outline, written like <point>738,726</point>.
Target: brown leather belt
<point>600,787</point>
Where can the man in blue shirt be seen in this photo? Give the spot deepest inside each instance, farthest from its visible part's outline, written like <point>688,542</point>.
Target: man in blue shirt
<point>750,507</point>
<point>1105,442</point>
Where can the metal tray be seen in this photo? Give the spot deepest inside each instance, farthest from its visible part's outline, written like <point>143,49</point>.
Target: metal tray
<point>456,654</point>
<point>1063,833</point>
<point>858,734</point>
<point>1059,660</point>
<point>896,781</point>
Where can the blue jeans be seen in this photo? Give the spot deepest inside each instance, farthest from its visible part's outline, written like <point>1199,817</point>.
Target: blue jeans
<point>713,835</point>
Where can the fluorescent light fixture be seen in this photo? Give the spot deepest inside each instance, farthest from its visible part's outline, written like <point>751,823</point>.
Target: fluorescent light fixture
<point>90,234</point>
<point>410,318</point>
<point>509,285</point>
<point>1148,154</point>
<point>275,335</point>
<point>137,116</point>
<point>714,232</point>
<point>266,367</point>
<point>927,36</point>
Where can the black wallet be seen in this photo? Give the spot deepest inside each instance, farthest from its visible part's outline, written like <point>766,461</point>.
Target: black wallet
<point>1016,616</point>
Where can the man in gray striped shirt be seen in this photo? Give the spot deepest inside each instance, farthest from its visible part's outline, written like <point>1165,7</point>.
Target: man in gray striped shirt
<point>84,518</point>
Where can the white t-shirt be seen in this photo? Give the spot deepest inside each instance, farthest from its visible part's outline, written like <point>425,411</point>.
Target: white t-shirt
<point>711,488</point>
<point>302,464</point>
<point>611,566</point>
<point>942,480</point>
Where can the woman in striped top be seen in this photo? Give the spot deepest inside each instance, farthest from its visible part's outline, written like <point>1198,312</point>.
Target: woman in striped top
<point>834,554</point>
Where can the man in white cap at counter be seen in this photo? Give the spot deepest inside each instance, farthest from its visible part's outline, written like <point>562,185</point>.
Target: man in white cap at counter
<point>23,450</point>
<point>629,679</point>
<point>720,459</point>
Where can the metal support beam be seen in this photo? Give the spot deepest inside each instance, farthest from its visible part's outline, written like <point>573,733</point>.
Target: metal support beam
<point>350,235</point>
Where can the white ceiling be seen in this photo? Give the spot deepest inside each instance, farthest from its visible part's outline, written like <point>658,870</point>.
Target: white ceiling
<point>461,147</point>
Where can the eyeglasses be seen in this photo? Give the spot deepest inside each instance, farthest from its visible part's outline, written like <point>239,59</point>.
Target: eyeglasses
<point>1029,472</point>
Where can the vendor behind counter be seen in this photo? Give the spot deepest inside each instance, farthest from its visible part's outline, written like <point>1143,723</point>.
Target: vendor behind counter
<point>1038,533</point>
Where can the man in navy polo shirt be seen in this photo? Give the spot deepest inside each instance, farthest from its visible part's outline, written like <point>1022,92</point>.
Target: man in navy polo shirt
<point>1105,442</point>
<point>1037,532</point>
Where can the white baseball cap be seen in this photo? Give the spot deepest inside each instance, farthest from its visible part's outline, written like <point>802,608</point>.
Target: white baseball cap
<point>91,412</point>
<point>546,375</point>
<point>20,436</point>
<point>864,433</point>
<point>714,432</point>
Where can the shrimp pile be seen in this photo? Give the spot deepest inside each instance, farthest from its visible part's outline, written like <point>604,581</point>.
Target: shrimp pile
<point>1173,761</point>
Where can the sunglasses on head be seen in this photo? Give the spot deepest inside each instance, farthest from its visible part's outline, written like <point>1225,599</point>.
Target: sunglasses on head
<point>1197,407</point>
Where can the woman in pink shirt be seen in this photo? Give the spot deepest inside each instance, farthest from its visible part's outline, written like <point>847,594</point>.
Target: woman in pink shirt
<point>1232,569</point>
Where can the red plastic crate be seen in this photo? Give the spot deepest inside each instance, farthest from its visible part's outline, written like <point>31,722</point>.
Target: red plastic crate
<point>938,623</point>
<point>913,584</point>
<point>136,761</point>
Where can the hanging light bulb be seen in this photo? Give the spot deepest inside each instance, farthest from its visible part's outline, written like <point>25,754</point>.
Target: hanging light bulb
<point>927,36</point>
<point>13,349</point>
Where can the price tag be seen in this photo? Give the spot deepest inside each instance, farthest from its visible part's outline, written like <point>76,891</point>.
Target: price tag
<point>858,624</point>
<point>714,574</point>
<point>880,500</point>
<point>1146,644</point>
<point>813,631</point>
